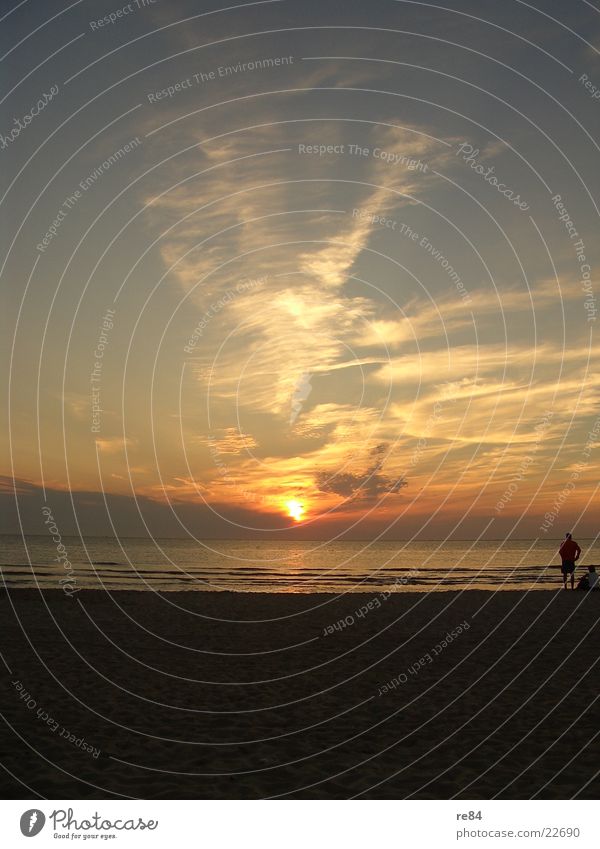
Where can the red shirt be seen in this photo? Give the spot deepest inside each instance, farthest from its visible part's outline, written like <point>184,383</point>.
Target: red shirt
<point>569,550</point>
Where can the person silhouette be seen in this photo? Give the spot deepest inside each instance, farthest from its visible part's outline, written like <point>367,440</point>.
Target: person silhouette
<point>589,581</point>
<point>569,553</point>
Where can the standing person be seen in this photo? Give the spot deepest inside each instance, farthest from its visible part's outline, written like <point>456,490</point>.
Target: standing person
<point>569,552</point>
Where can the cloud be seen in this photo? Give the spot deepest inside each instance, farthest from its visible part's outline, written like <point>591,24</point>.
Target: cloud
<point>228,440</point>
<point>104,514</point>
<point>368,485</point>
<point>241,209</point>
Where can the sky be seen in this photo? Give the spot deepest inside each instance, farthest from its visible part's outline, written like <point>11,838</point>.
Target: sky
<point>301,269</point>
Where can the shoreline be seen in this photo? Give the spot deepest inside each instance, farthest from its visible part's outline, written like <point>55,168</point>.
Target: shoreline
<point>283,593</point>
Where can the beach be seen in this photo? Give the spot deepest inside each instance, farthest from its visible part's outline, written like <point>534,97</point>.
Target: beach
<point>269,695</point>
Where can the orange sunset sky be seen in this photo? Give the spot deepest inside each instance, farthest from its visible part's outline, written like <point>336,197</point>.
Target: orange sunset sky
<point>290,302</point>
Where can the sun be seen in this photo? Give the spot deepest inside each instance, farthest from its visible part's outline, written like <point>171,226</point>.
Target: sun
<point>295,509</point>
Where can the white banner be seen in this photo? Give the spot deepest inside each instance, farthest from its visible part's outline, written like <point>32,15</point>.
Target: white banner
<point>298,824</point>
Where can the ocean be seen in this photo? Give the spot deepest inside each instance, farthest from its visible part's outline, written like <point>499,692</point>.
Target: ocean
<point>166,565</point>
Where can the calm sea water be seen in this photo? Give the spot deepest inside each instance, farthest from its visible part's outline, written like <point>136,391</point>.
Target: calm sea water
<point>245,566</point>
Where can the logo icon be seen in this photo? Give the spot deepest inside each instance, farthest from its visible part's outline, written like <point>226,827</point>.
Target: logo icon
<point>32,822</point>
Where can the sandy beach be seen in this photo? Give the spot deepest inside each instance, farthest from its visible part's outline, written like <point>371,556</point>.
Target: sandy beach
<point>225,695</point>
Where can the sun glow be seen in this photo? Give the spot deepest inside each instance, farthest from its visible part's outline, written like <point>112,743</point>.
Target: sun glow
<point>295,509</point>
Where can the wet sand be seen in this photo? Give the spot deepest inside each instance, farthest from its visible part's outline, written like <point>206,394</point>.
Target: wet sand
<point>225,695</point>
